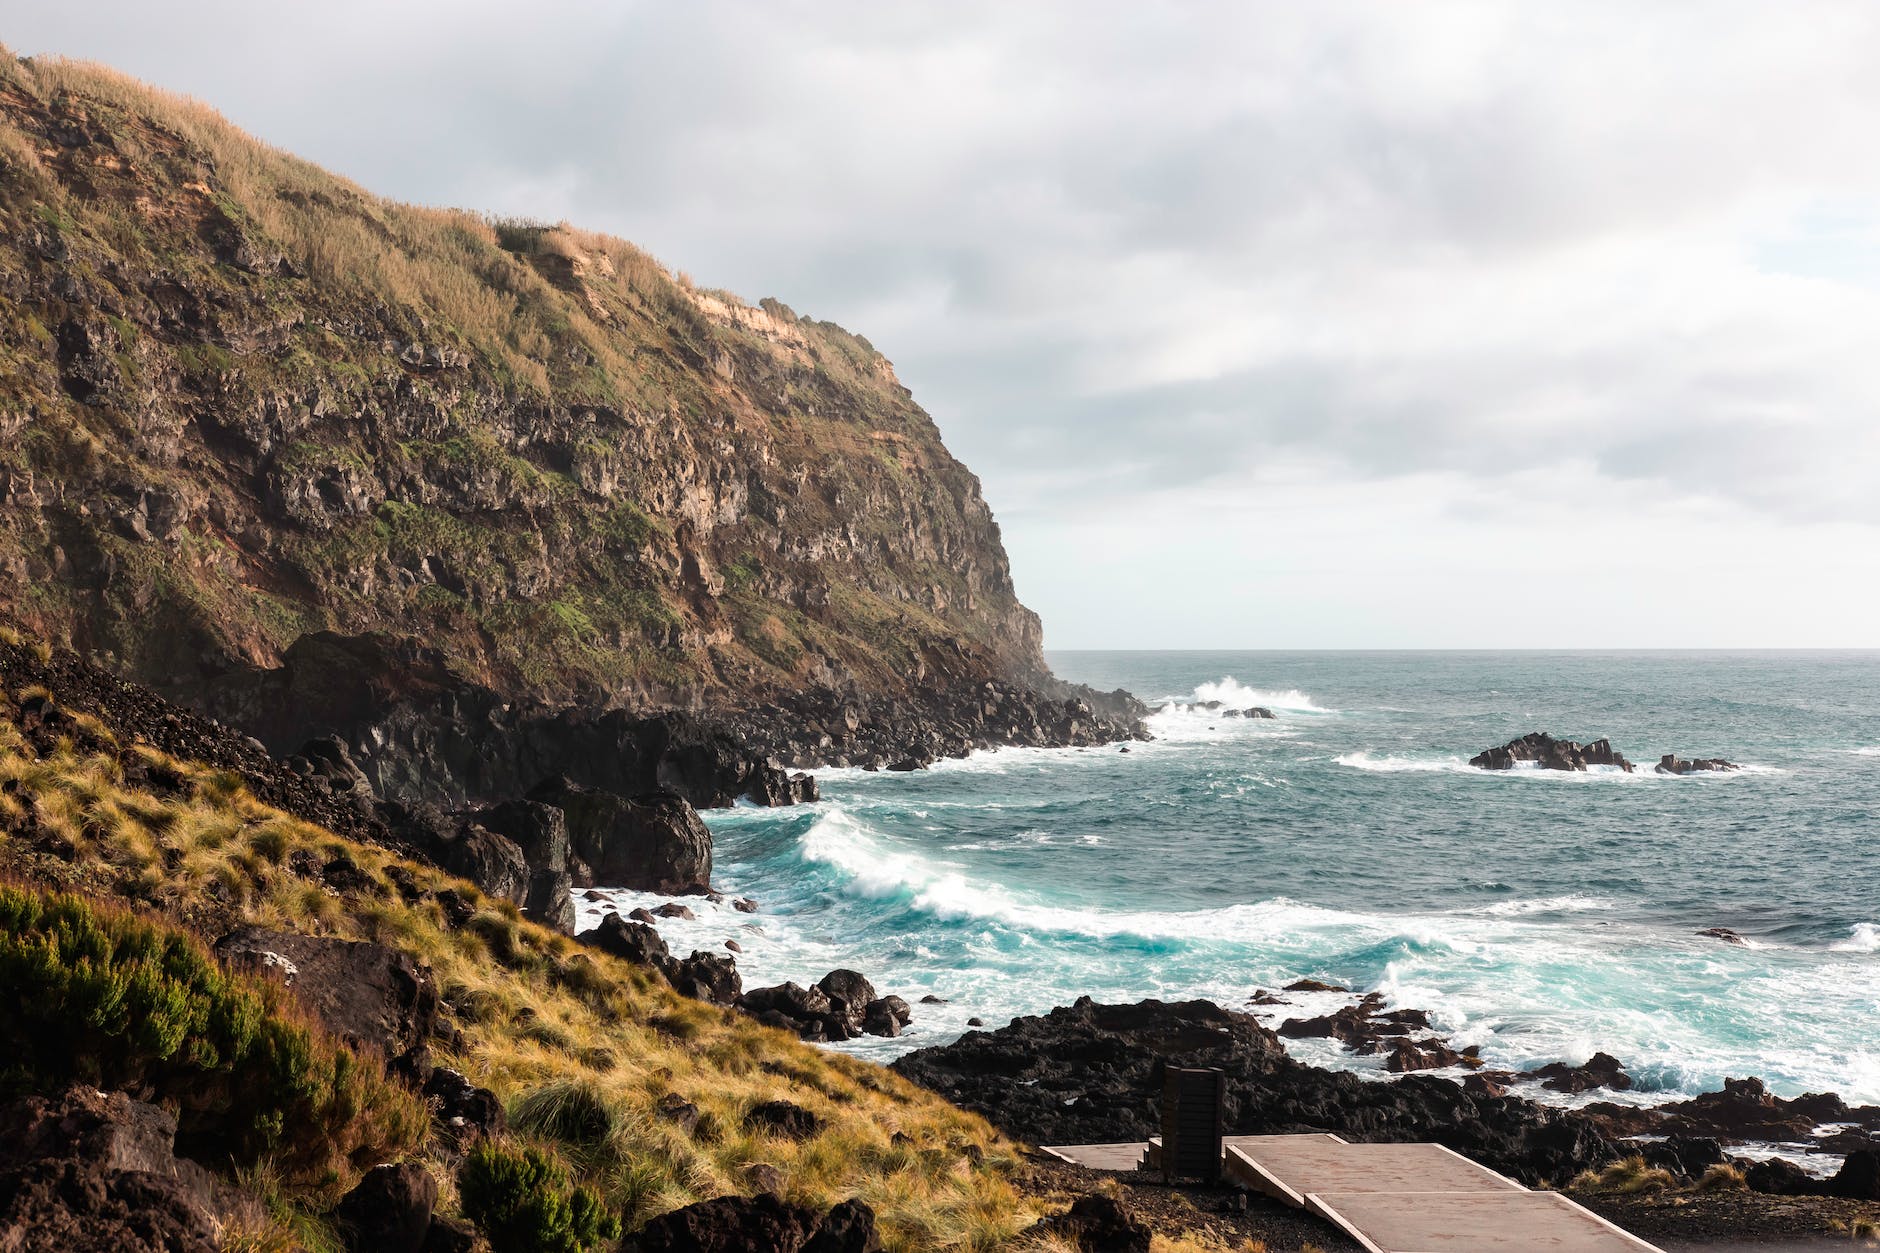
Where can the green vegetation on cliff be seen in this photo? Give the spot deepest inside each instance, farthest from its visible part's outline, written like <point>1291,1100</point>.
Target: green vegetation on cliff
<point>242,399</point>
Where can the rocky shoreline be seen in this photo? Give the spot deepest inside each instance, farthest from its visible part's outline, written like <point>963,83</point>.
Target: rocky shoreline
<point>1091,1073</point>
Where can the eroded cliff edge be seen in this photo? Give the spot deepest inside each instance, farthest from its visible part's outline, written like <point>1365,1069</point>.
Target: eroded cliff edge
<point>244,403</point>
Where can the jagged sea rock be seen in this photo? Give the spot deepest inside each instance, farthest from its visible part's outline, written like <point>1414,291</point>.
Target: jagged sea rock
<point>1548,753</point>
<point>1671,763</point>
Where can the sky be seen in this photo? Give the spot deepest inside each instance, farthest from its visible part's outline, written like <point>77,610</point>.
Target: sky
<point>1265,325</point>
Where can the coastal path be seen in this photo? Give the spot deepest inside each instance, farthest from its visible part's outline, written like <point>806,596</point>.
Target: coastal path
<point>1393,1198</point>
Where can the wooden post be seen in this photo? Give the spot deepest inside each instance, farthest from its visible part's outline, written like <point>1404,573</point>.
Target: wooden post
<point>1192,1122</point>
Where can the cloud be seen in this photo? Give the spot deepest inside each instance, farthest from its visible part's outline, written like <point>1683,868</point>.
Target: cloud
<point>1140,254</point>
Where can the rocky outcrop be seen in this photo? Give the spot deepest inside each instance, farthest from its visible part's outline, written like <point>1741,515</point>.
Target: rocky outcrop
<point>842,1006</point>
<point>709,977</point>
<point>379,1000</point>
<point>96,1172</point>
<point>1089,1073</point>
<point>1671,763</point>
<point>649,843</point>
<point>1548,753</point>
<point>737,1224</point>
<point>389,1210</point>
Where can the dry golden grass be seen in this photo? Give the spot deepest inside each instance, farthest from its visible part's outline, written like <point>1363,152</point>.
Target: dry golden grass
<point>580,1045</point>
<point>1626,1177</point>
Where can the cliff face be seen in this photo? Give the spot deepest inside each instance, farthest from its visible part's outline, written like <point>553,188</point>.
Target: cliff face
<point>242,400</point>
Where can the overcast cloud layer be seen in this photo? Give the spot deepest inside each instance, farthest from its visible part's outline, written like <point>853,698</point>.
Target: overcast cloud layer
<point>1266,325</point>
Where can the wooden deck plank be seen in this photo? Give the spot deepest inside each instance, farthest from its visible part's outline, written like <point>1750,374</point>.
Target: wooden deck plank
<point>1125,1156</point>
<point>1291,1167</point>
<point>1473,1222</point>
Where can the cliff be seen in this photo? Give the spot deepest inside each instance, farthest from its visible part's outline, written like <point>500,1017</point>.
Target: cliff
<point>243,401</point>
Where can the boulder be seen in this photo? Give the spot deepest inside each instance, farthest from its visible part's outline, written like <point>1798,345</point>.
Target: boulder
<point>849,993</point>
<point>849,1227</point>
<point>634,941</point>
<point>678,1111</point>
<point>1743,1110</point>
<point>326,759</point>
<point>1602,1070</point>
<point>539,830</point>
<point>673,909</point>
<point>1858,1179</point>
<point>389,1211</point>
<point>1671,763</point>
<point>493,862</point>
<point>1723,933</point>
<point>728,1224</point>
<point>1097,1223</point>
<point>463,1112</point>
<point>106,1129</point>
<point>784,1118</point>
<point>377,999</point>
<point>886,1016</point>
<point>807,1011</point>
<point>710,977</point>
<point>651,843</point>
<point>1548,753</point>
<point>70,1206</point>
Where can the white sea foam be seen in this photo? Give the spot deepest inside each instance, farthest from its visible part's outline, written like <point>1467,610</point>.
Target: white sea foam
<point>1873,751</point>
<point>1233,694</point>
<point>1863,937</point>
<point>1391,764</point>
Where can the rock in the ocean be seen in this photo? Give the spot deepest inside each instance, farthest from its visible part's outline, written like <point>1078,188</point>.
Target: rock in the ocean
<point>1723,933</point>
<point>1671,763</point>
<point>1549,753</point>
<point>1601,1070</point>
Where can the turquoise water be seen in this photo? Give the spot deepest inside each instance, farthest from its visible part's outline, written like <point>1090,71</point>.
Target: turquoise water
<point>1541,916</point>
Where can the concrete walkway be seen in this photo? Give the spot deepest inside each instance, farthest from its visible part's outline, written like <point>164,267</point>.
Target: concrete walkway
<point>1394,1198</point>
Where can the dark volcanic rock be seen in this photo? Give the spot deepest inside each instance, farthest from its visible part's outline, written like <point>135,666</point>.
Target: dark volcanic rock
<point>464,1112</point>
<point>1550,754</point>
<point>1602,1070</point>
<point>807,1011</point>
<point>1723,933</point>
<point>68,1206</point>
<point>653,843</point>
<point>729,1224</point>
<point>782,1118</point>
<point>377,999</point>
<point>849,1227</point>
<point>1671,763</point>
<point>1090,1074</point>
<point>389,1211</point>
<point>1099,1224</point>
<point>493,862</point>
<point>850,994</point>
<point>710,977</point>
<point>634,941</point>
<point>1743,1110</point>
<point>95,1172</point>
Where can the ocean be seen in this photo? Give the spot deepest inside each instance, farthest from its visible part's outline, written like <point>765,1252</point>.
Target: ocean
<point>1539,915</point>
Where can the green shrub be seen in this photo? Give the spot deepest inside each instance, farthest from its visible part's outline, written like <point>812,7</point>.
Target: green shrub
<point>101,996</point>
<point>521,1199</point>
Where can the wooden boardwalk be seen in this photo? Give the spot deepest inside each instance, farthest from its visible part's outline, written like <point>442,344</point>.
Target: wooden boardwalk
<point>1394,1198</point>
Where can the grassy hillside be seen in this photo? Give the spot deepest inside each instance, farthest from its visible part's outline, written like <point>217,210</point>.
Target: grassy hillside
<point>242,399</point>
<point>581,1046</point>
